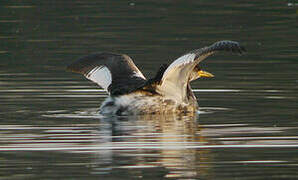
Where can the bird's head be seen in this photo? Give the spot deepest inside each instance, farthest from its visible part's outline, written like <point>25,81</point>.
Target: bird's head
<point>197,72</point>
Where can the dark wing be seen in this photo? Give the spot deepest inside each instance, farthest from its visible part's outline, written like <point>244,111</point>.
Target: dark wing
<point>175,78</point>
<point>116,73</point>
<point>152,83</point>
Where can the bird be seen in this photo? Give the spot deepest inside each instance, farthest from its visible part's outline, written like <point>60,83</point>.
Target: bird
<point>131,93</point>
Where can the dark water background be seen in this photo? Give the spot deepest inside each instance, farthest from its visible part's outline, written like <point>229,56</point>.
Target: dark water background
<point>247,125</point>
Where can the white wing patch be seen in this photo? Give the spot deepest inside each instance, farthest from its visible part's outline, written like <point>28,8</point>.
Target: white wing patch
<point>181,61</point>
<point>175,78</point>
<point>101,76</point>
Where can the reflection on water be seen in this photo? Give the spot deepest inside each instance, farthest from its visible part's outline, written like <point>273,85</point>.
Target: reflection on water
<point>171,146</point>
<point>246,127</point>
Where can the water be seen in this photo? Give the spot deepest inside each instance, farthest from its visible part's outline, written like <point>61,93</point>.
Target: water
<point>246,127</point>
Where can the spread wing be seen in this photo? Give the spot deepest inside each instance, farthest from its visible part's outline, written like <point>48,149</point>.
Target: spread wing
<point>176,77</point>
<point>115,73</point>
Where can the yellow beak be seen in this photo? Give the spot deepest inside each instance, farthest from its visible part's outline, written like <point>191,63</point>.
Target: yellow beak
<point>202,73</point>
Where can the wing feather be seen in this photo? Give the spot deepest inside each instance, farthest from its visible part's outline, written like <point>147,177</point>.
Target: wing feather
<point>175,79</point>
<point>116,73</point>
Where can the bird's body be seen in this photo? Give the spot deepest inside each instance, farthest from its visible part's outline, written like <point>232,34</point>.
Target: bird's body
<point>131,93</point>
<point>142,102</point>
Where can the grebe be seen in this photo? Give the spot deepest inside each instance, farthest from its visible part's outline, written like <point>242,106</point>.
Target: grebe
<point>130,93</point>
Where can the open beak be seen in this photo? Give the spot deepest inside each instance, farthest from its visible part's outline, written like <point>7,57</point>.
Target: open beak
<point>202,73</point>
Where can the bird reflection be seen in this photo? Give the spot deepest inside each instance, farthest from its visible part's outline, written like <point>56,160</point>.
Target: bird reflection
<point>167,143</point>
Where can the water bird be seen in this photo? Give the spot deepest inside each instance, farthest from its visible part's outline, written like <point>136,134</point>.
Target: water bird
<point>130,93</point>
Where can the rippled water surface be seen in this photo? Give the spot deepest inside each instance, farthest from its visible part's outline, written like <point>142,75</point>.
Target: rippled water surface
<point>247,124</point>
